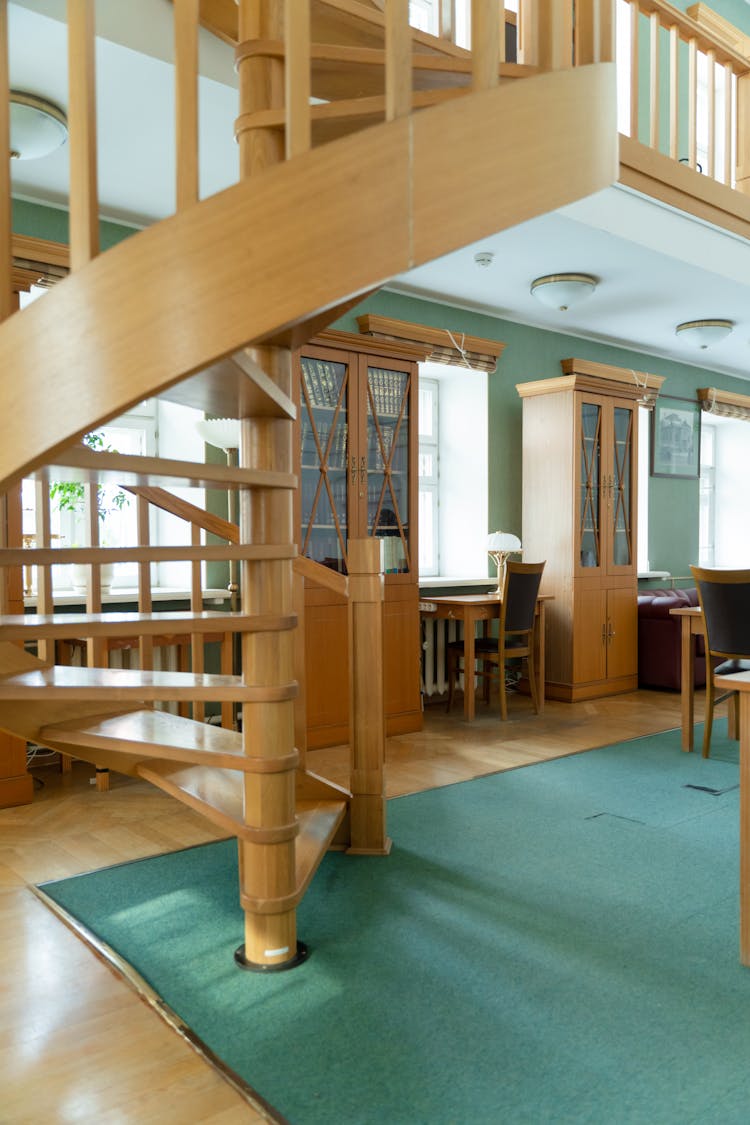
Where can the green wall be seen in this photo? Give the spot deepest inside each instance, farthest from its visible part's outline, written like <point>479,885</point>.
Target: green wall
<point>531,354</point>
<point>38,221</point>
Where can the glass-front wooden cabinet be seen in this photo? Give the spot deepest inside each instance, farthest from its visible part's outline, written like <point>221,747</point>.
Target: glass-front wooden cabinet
<point>357,467</point>
<point>357,430</point>
<point>606,486</point>
<point>580,458</point>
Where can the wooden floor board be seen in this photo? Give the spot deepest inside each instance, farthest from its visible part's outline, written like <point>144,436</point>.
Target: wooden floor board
<point>104,1054</point>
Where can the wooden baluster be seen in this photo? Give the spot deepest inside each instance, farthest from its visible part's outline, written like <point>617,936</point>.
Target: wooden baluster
<point>6,222</point>
<point>145,601</point>
<point>44,600</point>
<point>674,93</point>
<point>485,44</point>
<point>397,60</point>
<point>653,99</point>
<point>84,205</point>
<point>555,34</point>
<point>186,101</point>
<point>711,113</point>
<point>196,606</point>
<point>634,69</point>
<point>447,20</point>
<point>594,31</point>
<point>528,32</point>
<point>297,78</point>
<point>366,699</point>
<point>728,125</point>
<point>693,103</point>
<point>501,20</point>
<point>96,648</point>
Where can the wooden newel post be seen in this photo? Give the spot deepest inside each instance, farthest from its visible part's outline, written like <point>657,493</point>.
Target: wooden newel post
<point>366,698</point>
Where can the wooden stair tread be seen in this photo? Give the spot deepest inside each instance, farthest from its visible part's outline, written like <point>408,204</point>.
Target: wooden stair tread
<point>218,795</point>
<point>82,464</point>
<point>51,556</point>
<point>65,681</point>
<point>152,734</point>
<point>63,626</point>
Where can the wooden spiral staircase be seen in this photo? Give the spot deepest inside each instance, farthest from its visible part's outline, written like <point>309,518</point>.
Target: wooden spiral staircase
<point>393,188</point>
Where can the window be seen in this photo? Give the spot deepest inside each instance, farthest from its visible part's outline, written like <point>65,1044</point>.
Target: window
<point>724,537</point>
<point>644,453</point>
<point>453,485</point>
<point>428,476</point>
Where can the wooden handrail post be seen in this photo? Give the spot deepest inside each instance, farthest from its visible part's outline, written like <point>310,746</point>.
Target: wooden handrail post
<point>366,698</point>
<point>485,44</point>
<point>555,36</point>
<point>594,31</point>
<point>186,13</point>
<point>742,182</point>
<point>84,202</point>
<point>397,60</point>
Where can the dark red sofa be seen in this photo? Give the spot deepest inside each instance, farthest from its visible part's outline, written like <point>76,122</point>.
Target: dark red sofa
<point>659,640</point>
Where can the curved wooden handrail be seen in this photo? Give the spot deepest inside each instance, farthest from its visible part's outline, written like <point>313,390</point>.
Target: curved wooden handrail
<point>219,252</point>
<point>322,575</point>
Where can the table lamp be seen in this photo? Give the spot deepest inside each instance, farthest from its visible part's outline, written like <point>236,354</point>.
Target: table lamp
<point>501,544</point>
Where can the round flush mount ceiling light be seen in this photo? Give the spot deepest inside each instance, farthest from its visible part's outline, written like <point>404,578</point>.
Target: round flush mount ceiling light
<point>704,333</point>
<point>562,290</point>
<point>37,126</point>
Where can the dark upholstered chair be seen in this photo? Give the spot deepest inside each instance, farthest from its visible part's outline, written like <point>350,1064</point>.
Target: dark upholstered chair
<point>515,639</point>
<point>725,599</point>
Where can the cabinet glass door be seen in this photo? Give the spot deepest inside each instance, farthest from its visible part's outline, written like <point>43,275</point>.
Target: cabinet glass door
<point>590,464</point>
<point>388,466</point>
<point>324,435</point>
<point>622,487</point>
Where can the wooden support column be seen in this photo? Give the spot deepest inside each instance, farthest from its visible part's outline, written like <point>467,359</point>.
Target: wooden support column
<point>595,31</point>
<point>84,201</point>
<point>366,698</point>
<point>267,867</point>
<point>268,882</point>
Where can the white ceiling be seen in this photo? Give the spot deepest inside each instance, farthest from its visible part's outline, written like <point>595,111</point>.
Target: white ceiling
<point>656,267</point>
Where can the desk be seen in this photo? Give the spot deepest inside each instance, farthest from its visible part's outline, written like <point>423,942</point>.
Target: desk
<point>693,626</point>
<point>471,608</point>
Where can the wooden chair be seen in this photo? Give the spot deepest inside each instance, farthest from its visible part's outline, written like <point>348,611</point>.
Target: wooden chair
<point>515,639</point>
<point>724,597</point>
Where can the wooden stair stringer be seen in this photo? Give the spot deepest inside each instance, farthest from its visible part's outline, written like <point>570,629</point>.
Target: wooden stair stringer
<point>551,150</point>
<point>218,795</point>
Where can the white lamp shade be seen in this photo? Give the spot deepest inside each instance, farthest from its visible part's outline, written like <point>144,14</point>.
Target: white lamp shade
<point>704,333</point>
<point>503,541</point>
<point>561,290</point>
<point>224,433</point>
<point>37,127</point>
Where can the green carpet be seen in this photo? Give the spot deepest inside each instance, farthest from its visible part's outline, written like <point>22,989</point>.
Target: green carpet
<point>552,944</point>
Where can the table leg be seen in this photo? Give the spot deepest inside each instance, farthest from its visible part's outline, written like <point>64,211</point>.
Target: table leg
<point>744,827</point>
<point>469,629</point>
<point>687,683</point>
<point>539,655</point>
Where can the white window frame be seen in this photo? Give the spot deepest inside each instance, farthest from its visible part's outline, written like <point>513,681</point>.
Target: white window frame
<point>429,482</point>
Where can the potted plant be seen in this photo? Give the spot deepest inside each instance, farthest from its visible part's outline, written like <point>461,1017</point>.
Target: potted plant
<point>70,496</point>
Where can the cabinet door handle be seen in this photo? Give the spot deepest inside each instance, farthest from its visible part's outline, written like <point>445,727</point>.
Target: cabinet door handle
<point>604,633</point>
<point>354,470</point>
<point>362,470</point>
<point>610,632</point>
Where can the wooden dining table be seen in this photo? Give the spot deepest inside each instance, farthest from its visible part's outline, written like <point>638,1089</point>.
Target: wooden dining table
<point>471,609</point>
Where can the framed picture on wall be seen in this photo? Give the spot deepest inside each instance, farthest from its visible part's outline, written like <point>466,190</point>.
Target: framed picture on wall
<point>676,438</point>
